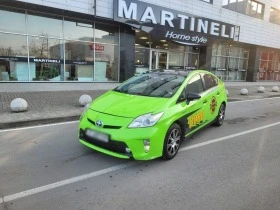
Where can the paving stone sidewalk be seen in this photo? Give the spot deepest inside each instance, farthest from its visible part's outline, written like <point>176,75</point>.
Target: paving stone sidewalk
<point>43,107</point>
<point>63,105</point>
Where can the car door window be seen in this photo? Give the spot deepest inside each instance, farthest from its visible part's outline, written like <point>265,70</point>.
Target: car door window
<point>209,81</point>
<point>194,85</point>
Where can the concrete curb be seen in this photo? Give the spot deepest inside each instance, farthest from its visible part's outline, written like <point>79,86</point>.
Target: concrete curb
<point>37,122</point>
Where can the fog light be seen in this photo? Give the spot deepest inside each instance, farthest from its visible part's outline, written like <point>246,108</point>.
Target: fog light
<point>147,145</point>
<point>127,150</point>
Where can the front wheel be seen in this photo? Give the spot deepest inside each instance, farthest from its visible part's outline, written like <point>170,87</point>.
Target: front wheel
<point>221,115</point>
<point>172,142</point>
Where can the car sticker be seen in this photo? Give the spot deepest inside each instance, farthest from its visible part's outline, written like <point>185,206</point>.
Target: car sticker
<point>213,105</point>
<point>196,119</point>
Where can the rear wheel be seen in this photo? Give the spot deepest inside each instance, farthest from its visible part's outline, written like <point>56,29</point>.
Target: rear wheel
<point>172,142</point>
<point>221,115</point>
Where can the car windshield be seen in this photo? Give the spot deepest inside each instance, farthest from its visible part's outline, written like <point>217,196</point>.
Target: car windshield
<point>153,85</point>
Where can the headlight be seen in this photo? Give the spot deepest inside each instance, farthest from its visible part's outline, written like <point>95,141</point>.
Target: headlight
<point>146,120</point>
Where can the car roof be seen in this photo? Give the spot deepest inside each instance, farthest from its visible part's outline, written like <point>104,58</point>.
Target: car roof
<point>181,72</point>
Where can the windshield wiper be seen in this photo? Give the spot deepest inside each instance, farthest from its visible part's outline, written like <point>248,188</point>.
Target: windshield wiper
<point>120,91</point>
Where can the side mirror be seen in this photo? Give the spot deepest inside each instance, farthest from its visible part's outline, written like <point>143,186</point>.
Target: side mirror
<point>192,96</point>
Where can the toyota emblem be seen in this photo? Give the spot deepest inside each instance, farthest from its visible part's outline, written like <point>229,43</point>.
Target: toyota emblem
<point>99,123</point>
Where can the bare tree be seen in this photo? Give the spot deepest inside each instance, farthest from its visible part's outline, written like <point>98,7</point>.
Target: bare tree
<point>6,51</point>
<point>39,48</point>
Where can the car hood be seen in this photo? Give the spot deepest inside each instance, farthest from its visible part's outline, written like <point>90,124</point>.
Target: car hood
<point>126,105</point>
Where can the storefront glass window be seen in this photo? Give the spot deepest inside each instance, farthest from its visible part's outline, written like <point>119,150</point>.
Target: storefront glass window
<point>79,60</point>
<point>191,61</point>
<point>44,26</point>
<point>269,65</point>
<point>106,33</point>
<point>106,63</point>
<point>13,58</point>
<point>46,58</point>
<point>176,60</point>
<point>142,39</point>
<point>78,31</point>
<point>142,59</point>
<point>214,49</point>
<point>230,63</point>
<point>12,22</point>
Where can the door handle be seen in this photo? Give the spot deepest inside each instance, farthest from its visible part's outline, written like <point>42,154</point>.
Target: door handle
<point>218,93</point>
<point>205,101</point>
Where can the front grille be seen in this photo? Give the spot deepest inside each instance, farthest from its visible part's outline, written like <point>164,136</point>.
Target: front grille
<point>105,126</point>
<point>114,146</point>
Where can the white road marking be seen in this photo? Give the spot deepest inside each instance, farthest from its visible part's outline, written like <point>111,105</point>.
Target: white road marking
<point>64,182</point>
<point>228,137</point>
<point>38,126</point>
<point>115,168</point>
<point>259,99</point>
<point>70,122</point>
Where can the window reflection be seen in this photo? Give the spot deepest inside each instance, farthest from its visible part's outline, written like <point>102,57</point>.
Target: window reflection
<point>91,49</point>
<point>13,58</point>
<point>78,31</point>
<point>106,62</point>
<point>269,68</point>
<point>274,16</point>
<point>249,7</point>
<point>229,62</point>
<point>106,33</point>
<point>44,26</point>
<point>12,22</point>
<point>79,59</point>
<point>46,58</point>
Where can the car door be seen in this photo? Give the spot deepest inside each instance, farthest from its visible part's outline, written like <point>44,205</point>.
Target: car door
<point>193,111</point>
<point>211,96</point>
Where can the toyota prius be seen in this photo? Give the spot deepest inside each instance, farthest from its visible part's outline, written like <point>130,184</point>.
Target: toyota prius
<point>149,115</point>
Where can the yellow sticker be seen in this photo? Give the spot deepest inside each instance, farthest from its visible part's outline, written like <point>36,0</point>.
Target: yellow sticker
<point>195,119</point>
<point>213,105</point>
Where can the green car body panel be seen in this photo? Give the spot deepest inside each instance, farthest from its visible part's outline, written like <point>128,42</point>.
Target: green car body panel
<point>118,110</point>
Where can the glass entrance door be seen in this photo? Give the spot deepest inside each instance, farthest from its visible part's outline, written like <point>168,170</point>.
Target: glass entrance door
<point>159,59</point>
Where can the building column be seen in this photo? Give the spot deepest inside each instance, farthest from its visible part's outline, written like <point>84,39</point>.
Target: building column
<point>205,57</point>
<point>253,64</point>
<point>127,52</point>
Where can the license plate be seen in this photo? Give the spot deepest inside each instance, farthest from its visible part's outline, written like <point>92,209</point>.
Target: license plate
<point>97,135</point>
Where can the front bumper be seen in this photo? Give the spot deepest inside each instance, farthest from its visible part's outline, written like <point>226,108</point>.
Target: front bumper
<point>125,142</point>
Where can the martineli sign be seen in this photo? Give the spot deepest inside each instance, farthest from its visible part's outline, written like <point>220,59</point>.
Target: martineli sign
<point>163,23</point>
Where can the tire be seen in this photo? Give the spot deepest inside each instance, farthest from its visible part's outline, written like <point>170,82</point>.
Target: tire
<point>221,115</point>
<point>172,142</point>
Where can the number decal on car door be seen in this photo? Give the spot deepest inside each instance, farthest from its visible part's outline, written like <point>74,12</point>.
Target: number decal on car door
<point>195,119</point>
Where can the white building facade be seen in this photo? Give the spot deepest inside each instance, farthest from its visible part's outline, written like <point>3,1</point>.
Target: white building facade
<point>111,40</point>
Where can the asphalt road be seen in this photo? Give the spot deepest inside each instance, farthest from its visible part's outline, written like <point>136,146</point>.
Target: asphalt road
<point>236,166</point>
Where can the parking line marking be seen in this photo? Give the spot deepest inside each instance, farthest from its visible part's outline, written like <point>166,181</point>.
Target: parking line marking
<point>72,180</point>
<point>228,137</point>
<point>258,99</point>
<point>115,168</point>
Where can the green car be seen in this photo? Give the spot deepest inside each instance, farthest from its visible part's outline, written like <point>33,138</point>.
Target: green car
<point>149,115</point>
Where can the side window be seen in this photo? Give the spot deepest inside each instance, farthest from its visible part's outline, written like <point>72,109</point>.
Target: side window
<point>210,81</point>
<point>195,85</point>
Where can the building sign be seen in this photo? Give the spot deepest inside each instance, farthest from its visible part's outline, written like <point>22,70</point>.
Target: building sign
<point>164,23</point>
<point>97,47</point>
<point>44,60</point>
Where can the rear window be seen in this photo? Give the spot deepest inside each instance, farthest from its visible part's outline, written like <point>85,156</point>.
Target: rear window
<point>153,85</point>
<point>210,81</point>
